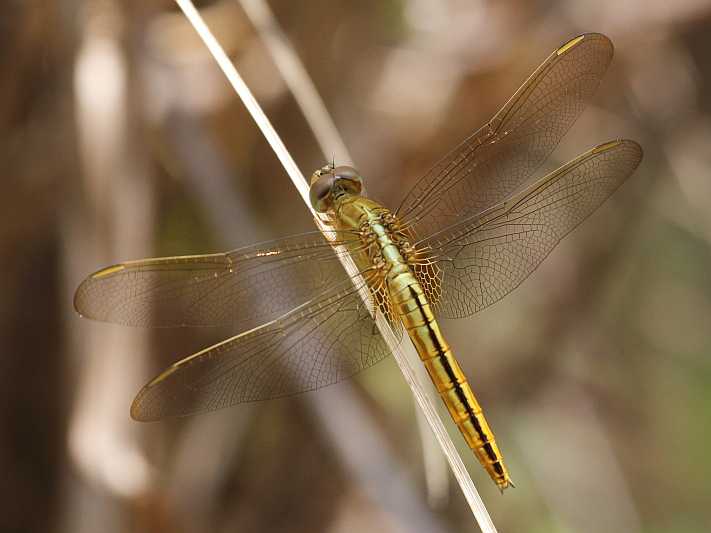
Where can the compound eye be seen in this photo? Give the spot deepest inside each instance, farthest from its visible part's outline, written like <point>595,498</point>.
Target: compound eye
<point>322,187</point>
<point>319,192</point>
<point>347,172</point>
<point>349,179</point>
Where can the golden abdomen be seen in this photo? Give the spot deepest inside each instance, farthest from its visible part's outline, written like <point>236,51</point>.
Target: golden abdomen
<point>386,248</point>
<point>447,375</point>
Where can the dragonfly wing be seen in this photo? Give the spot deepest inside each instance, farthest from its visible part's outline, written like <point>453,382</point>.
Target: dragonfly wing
<point>317,344</point>
<point>491,164</point>
<point>478,261</point>
<point>244,288</point>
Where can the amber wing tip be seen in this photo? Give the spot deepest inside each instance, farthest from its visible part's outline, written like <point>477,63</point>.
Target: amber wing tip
<point>139,413</point>
<point>588,38</point>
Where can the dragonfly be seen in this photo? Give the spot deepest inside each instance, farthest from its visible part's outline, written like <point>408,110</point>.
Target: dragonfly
<point>469,232</point>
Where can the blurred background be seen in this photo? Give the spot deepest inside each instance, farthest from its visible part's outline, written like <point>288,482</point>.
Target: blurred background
<point>121,139</point>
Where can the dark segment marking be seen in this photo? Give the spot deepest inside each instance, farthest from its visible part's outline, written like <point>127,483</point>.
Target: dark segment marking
<point>457,387</point>
<point>490,451</point>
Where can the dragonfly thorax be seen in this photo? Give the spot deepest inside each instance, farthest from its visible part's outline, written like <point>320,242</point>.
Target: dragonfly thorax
<point>381,234</point>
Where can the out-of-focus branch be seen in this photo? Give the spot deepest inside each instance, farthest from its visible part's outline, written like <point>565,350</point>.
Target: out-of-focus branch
<point>298,80</point>
<point>103,442</point>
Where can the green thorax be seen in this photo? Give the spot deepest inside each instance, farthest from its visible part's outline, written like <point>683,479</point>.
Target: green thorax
<point>352,211</point>
<point>381,244</point>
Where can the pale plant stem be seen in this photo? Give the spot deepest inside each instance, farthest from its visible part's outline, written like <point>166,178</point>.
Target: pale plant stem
<point>298,80</point>
<point>404,352</point>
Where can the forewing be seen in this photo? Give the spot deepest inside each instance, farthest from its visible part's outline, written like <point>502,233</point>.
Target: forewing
<point>495,161</point>
<point>317,344</point>
<point>244,288</point>
<point>485,257</point>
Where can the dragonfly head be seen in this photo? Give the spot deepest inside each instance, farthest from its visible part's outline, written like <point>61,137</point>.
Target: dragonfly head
<point>331,183</point>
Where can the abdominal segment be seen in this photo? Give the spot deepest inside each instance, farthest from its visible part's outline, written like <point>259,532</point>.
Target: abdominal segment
<point>451,383</point>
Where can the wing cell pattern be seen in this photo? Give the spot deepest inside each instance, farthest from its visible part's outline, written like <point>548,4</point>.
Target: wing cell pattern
<point>495,161</point>
<point>485,257</point>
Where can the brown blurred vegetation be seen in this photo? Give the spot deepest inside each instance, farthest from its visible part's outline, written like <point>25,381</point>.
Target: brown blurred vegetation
<point>121,139</point>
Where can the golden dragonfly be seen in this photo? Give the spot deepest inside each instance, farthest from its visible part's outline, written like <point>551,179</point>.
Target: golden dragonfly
<point>468,233</point>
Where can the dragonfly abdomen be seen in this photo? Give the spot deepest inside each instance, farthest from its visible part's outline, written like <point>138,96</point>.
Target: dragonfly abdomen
<point>448,377</point>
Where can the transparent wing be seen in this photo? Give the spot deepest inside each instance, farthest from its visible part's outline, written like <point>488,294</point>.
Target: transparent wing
<point>491,164</point>
<point>244,288</point>
<point>305,324</point>
<point>478,261</point>
<point>314,345</point>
